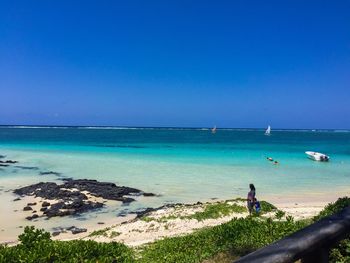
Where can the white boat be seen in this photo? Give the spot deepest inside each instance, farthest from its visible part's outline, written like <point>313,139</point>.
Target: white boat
<point>213,130</point>
<point>321,157</point>
<point>268,130</point>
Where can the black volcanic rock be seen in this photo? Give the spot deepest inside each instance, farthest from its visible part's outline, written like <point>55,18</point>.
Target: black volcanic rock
<point>27,208</point>
<point>77,230</point>
<point>49,173</point>
<point>71,199</point>
<point>66,179</point>
<point>32,217</point>
<point>44,190</point>
<point>8,161</point>
<point>56,233</point>
<point>27,167</point>
<point>35,216</point>
<point>101,189</point>
<point>142,212</point>
<point>45,204</point>
<point>127,200</point>
<point>149,194</point>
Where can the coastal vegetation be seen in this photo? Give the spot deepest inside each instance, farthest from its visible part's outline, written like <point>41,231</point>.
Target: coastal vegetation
<point>37,246</point>
<point>240,236</point>
<point>209,211</point>
<point>100,232</point>
<point>217,210</point>
<point>340,253</point>
<point>232,239</point>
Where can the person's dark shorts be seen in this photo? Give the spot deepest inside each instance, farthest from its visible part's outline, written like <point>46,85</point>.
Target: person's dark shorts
<point>250,205</point>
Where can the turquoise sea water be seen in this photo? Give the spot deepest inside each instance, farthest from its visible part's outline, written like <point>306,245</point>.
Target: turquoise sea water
<point>181,165</point>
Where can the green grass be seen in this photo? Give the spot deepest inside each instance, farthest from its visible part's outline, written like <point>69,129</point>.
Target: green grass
<point>217,210</point>
<point>213,210</point>
<point>280,214</point>
<point>163,219</point>
<point>147,218</point>
<point>266,207</point>
<point>239,235</point>
<point>114,234</point>
<point>101,232</point>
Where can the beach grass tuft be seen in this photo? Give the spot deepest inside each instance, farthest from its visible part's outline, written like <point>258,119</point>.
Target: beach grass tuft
<point>216,210</point>
<point>100,232</point>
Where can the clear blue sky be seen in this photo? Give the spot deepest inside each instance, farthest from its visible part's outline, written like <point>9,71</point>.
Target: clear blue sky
<point>176,63</point>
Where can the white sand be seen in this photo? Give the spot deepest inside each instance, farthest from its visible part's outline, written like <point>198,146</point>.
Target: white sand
<point>165,222</point>
<point>138,232</point>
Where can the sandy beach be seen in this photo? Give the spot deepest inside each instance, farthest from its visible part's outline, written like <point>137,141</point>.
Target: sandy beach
<point>167,222</point>
<point>163,222</point>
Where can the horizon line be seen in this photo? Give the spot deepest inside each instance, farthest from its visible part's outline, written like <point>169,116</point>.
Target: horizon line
<point>158,127</point>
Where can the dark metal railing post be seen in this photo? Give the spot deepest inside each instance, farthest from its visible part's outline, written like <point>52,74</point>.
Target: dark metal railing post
<point>320,255</point>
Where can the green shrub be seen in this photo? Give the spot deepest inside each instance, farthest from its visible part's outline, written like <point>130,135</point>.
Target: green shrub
<point>114,234</point>
<point>100,232</point>
<point>37,247</point>
<point>341,253</point>
<point>217,210</point>
<point>32,237</point>
<point>279,214</point>
<point>333,208</point>
<point>266,207</point>
<point>239,235</point>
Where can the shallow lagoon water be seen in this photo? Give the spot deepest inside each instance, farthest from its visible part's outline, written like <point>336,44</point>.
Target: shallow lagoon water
<point>180,165</point>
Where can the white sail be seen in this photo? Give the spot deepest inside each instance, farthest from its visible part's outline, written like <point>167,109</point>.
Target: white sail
<point>213,130</point>
<point>268,130</point>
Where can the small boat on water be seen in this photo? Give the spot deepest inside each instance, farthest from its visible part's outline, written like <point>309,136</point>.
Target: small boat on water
<point>213,130</point>
<point>321,157</point>
<point>268,130</point>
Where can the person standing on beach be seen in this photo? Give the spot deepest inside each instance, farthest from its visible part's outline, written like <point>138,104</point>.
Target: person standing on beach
<point>251,198</point>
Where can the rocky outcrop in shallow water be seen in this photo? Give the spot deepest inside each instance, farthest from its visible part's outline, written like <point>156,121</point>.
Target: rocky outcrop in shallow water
<point>8,161</point>
<point>105,190</point>
<point>72,197</point>
<point>73,189</point>
<point>50,173</point>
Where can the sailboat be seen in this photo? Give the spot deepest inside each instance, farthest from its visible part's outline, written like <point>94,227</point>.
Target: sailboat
<point>213,130</point>
<point>268,130</point>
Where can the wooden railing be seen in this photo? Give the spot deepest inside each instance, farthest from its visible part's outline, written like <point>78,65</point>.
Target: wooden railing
<point>311,244</point>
